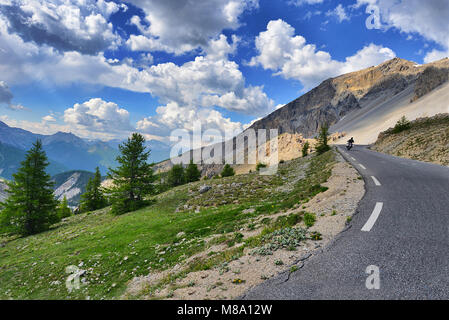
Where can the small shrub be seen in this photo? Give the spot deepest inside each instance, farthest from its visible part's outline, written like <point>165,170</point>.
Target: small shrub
<point>402,125</point>
<point>260,165</point>
<point>279,262</point>
<point>294,268</point>
<point>286,238</point>
<point>305,149</point>
<point>238,281</point>
<point>315,236</point>
<point>309,219</point>
<point>228,171</point>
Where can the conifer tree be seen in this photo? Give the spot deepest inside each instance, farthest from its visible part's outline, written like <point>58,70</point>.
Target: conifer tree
<point>63,209</point>
<point>227,171</point>
<point>93,199</point>
<point>134,177</point>
<point>323,138</point>
<point>176,176</point>
<point>30,207</point>
<point>305,149</point>
<point>192,172</point>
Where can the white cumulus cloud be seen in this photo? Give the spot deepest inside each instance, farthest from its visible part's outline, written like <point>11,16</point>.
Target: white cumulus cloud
<point>292,57</point>
<point>427,18</point>
<point>179,26</point>
<point>97,115</point>
<point>64,25</point>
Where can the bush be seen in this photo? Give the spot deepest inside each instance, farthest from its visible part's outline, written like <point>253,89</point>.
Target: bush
<point>305,149</point>
<point>260,165</point>
<point>192,173</point>
<point>402,125</point>
<point>176,176</point>
<point>228,171</point>
<point>93,199</point>
<point>309,219</point>
<point>63,209</point>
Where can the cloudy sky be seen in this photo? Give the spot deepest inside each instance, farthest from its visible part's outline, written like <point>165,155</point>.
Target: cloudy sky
<point>102,69</point>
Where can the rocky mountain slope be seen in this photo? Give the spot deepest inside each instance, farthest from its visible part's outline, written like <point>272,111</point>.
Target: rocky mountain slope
<point>72,185</point>
<point>360,104</point>
<point>3,193</point>
<point>426,140</point>
<point>338,97</point>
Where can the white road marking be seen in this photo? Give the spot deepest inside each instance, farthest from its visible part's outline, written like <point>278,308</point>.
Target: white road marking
<point>376,182</point>
<point>372,219</point>
<point>353,158</point>
<point>362,166</point>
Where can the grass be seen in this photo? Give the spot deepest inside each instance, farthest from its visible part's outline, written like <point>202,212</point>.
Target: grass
<point>115,249</point>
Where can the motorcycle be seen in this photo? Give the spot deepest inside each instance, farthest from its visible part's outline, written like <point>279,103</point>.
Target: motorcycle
<point>349,146</point>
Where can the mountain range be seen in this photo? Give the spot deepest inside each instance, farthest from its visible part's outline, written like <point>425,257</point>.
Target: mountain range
<point>337,98</point>
<point>65,151</point>
<point>360,104</point>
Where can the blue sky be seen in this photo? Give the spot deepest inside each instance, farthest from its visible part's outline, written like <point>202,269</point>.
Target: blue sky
<point>103,69</point>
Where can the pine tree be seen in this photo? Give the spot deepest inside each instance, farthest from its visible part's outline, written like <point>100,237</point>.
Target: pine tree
<point>30,207</point>
<point>305,149</point>
<point>192,172</point>
<point>176,176</point>
<point>227,171</point>
<point>63,209</point>
<point>134,177</point>
<point>323,138</point>
<point>93,199</point>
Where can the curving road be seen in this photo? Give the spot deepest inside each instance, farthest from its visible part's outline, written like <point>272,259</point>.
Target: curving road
<point>401,227</point>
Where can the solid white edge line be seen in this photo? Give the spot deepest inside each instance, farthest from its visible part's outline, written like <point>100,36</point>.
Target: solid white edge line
<point>362,166</point>
<point>353,158</point>
<point>372,219</point>
<point>376,182</point>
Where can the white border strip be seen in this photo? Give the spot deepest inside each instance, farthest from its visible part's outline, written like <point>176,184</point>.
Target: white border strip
<point>376,182</point>
<point>372,219</point>
<point>362,166</point>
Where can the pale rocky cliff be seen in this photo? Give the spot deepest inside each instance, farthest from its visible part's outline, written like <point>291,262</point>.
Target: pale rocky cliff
<point>335,98</point>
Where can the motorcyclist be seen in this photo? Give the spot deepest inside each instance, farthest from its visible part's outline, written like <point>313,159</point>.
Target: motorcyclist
<point>351,142</point>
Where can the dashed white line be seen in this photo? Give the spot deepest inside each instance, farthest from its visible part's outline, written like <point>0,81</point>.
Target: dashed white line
<point>372,219</point>
<point>362,166</point>
<point>353,158</point>
<point>376,182</point>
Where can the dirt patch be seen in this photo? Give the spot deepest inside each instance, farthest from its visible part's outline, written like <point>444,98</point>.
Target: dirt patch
<point>230,280</point>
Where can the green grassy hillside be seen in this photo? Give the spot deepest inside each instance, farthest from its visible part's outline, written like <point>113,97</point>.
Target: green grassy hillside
<point>114,249</point>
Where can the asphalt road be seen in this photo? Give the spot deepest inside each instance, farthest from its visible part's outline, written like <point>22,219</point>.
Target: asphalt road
<point>408,242</point>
